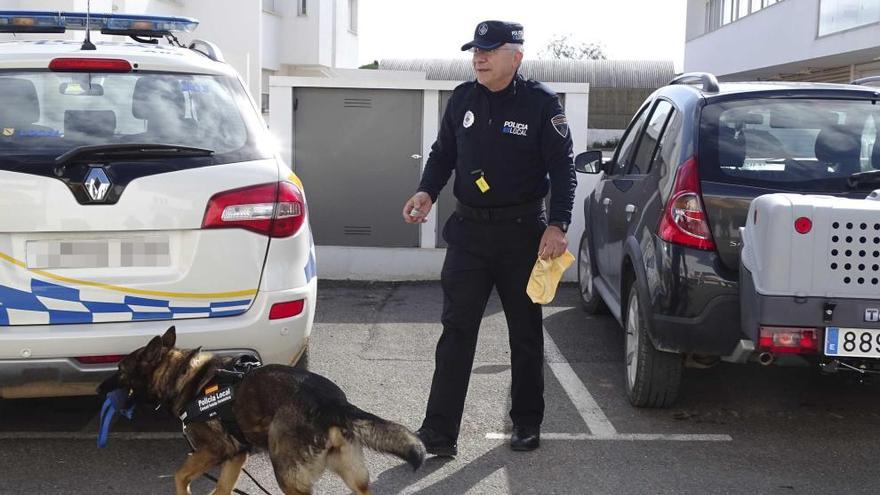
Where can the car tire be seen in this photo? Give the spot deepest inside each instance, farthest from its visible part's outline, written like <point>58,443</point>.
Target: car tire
<point>653,377</point>
<point>590,300</point>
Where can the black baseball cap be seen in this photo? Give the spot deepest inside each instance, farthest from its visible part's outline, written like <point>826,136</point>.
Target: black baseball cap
<point>491,34</point>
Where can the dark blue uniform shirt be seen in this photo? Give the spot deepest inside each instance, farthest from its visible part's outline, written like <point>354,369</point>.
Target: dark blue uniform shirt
<point>517,139</point>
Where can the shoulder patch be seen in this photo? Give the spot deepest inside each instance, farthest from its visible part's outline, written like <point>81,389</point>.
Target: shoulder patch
<point>560,123</point>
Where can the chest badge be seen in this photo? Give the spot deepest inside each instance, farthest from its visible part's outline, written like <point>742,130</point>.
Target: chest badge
<point>468,119</point>
<point>515,128</point>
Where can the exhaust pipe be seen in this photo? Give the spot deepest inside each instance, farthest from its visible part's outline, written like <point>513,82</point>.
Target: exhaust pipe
<point>766,358</point>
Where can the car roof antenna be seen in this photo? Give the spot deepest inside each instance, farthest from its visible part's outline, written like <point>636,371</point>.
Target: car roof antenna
<point>87,43</point>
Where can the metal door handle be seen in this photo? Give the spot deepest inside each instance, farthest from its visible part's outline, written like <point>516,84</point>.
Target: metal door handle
<point>606,202</point>
<point>630,209</point>
<point>415,156</point>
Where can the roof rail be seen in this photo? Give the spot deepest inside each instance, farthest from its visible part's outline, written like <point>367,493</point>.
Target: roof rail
<point>709,81</point>
<point>864,81</point>
<point>207,49</point>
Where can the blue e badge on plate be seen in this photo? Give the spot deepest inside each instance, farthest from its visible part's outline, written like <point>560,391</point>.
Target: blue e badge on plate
<point>831,341</point>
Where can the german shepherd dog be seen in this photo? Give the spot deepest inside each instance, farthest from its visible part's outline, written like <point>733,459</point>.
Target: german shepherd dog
<point>302,419</point>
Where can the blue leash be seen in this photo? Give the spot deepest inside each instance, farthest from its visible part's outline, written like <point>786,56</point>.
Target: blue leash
<point>114,404</point>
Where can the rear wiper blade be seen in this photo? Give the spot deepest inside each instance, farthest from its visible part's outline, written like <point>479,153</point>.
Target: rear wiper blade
<point>130,151</point>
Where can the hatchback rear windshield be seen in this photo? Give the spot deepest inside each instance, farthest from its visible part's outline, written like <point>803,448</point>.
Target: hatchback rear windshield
<point>794,144</point>
<point>45,114</point>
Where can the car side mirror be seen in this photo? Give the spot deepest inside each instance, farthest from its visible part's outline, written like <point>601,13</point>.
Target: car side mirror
<point>589,162</point>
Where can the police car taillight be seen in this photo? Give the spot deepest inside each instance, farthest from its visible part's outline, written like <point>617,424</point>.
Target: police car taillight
<point>276,209</point>
<point>89,65</point>
<point>104,359</point>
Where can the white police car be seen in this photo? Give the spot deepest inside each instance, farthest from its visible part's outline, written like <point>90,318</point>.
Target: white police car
<point>138,190</point>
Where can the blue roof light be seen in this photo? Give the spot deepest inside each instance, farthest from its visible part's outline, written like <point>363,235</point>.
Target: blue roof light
<point>31,22</point>
<point>122,24</point>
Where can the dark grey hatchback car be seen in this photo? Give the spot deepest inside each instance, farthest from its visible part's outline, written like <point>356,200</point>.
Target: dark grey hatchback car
<point>662,242</point>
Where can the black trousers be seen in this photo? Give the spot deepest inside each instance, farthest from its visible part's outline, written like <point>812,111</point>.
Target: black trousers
<point>480,256</point>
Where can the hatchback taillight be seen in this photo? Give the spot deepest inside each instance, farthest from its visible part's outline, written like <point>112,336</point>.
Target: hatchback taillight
<point>275,209</point>
<point>684,219</point>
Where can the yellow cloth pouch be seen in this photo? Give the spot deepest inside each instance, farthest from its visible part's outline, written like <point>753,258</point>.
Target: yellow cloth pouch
<point>546,276</point>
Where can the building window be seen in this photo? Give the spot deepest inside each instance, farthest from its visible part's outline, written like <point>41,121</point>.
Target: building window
<point>840,15</point>
<point>302,7</point>
<point>720,13</point>
<point>353,16</point>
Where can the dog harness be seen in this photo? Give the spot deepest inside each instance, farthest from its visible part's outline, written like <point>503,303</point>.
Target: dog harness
<point>216,399</point>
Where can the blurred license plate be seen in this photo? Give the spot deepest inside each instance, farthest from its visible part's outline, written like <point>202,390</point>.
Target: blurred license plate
<point>140,251</point>
<point>854,342</point>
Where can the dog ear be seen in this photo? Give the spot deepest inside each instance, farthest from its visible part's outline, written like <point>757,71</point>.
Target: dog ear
<point>170,337</point>
<point>153,351</point>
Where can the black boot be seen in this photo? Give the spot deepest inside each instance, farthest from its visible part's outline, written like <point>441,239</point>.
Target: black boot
<point>436,443</point>
<point>525,438</point>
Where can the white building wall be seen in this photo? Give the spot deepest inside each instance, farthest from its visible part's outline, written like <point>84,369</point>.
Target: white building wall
<point>327,33</point>
<point>695,24</point>
<point>271,42</point>
<point>300,45</point>
<point>778,36</point>
<point>346,39</point>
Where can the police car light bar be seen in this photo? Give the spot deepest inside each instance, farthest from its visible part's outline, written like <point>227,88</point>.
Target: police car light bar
<point>12,21</point>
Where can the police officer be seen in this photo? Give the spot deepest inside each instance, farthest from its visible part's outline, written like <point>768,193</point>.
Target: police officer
<point>507,140</point>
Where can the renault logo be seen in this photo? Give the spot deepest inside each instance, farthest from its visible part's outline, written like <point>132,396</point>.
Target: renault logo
<point>97,184</point>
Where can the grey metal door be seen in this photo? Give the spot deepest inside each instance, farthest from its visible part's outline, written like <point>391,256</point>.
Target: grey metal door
<point>358,153</point>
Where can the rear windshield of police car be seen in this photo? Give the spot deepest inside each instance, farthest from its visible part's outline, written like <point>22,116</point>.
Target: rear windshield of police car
<point>45,114</point>
<point>792,144</point>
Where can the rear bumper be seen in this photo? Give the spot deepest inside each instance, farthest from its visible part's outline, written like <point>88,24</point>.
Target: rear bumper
<point>715,330</point>
<point>694,301</point>
<point>790,311</point>
<point>37,361</point>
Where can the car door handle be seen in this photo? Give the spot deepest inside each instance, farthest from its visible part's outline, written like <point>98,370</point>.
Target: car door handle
<point>606,202</point>
<point>630,209</point>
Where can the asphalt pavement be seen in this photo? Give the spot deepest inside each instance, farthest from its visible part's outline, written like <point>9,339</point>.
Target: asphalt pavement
<point>735,428</point>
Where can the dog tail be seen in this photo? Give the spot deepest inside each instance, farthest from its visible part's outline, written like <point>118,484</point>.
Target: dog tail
<point>387,437</point>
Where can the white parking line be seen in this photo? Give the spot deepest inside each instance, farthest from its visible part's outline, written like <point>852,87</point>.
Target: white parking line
<point>73,435</point>
<point>586,406</point>
<point>598,423</point>
<point>627,437</point>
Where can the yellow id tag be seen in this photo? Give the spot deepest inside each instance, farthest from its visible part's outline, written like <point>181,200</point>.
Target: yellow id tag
<point>482,184</point>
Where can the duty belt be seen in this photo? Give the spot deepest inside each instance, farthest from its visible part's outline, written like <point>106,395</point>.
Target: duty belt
<point>501,213</point>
